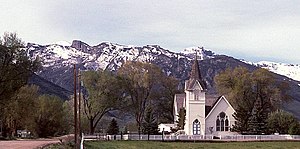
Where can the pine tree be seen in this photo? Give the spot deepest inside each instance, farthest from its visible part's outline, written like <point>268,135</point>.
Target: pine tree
<point>149,126</point>
<point>113,127</point>
<point>181,119</point>
<point>242,117</point>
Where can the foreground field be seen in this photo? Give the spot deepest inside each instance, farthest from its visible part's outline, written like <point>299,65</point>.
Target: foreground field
<point>189,145</point>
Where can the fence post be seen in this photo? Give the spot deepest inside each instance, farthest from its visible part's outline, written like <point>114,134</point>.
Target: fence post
<point>82,139</point>
<point>163,134</point>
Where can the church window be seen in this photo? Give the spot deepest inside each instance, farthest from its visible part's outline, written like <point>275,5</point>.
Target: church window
<point>226,124</point>
<point>218,124</point>
<point>196,94</point>
<point>222,122</point>
<point>196,127</point>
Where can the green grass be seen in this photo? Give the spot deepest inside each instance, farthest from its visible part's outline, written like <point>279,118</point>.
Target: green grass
<point>189,145</point>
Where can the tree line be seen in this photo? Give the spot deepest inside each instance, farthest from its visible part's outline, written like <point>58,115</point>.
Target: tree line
<point>21,106</point>
<point>140,89</point>
<point>137,88</point>
<point>257,99</point>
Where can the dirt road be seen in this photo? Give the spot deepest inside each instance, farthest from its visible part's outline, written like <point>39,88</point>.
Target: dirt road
<point>26,144</point>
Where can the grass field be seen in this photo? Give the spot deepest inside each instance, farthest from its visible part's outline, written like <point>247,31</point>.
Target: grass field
<point>189,145</point>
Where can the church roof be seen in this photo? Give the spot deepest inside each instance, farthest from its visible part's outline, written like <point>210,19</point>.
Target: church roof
<point>195,76</point>
<point>216,103</point>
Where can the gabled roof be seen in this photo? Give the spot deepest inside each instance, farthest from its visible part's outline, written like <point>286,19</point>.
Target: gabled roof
<point>190,84</point>
<point>216,104</point>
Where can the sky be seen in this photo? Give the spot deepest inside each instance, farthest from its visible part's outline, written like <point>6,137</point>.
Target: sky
<point>253,30</point>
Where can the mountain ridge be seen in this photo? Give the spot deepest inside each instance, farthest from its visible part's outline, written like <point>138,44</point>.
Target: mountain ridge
<point>58,63</point>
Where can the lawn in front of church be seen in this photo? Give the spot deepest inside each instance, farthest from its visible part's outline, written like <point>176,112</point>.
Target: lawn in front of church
<point>189,145</point>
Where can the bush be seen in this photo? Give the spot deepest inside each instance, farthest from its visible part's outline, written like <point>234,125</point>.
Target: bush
<point>294,128</point>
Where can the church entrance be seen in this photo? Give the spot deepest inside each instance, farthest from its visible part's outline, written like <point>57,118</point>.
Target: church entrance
<point>196,127</point>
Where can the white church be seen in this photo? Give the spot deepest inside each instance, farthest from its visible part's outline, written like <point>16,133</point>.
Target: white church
<point>205,115</point>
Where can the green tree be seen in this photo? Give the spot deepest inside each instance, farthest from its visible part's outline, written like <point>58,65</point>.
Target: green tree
<point>181,119</point>
<point>141,82</point>
<point>164,105</point>
<point>236,85</point>
<point>19,111</point>
<point>15,66</point>
<point>113,127</point>
<point>281,122</point>
<point>104,94</point>
<point>149,126</point>
<point>15,69</point>
<point>50,117</point>
<point>294,128</point>
<point>267,99</point>
<point>253,94</point>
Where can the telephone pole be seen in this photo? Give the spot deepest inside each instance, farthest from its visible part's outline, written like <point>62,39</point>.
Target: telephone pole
<point>75,109</point>
<point>79,102</point>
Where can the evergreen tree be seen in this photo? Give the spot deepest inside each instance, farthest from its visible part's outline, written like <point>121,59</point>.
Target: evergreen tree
<point>242,117</point>
<point>149,126</point>
<point>181,119</point>
<point>113,127</point>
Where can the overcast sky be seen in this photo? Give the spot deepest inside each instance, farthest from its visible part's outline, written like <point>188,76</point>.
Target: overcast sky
<point>253,30</point>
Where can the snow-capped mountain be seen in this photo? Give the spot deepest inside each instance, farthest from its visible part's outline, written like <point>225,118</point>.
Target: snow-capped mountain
<point>200,52</point>
<point>58,60</point>
<point>61,58</point>
<point>111,56</point>
<point>289,70</point>
<point>102,55</point>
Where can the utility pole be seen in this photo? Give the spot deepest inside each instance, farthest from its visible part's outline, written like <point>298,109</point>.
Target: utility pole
<point>75,109</point>
<point>79,102</point>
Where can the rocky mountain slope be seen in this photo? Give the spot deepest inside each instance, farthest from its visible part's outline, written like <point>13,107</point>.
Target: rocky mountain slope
<point>58,61</point>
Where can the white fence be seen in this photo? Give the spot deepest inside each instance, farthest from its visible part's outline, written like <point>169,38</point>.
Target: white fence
<point>192,137</point>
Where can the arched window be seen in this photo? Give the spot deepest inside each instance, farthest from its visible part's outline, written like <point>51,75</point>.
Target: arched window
<point>226,125</point>
<point>196,127</point>
<point>222,122</point>
<point>218,124</point>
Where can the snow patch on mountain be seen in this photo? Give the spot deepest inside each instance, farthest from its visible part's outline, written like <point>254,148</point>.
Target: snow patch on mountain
<point>110,56</point>
<point>106,55</point>
<point>289,70</point>
<point>199,51</point>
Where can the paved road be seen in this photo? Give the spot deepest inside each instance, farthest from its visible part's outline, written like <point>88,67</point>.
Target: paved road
<point>26,144</point>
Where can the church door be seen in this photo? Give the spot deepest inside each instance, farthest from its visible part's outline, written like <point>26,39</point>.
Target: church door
<point>196,127</point>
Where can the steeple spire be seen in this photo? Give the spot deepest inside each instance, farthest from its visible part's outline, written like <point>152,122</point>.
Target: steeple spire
<point>195,73</point>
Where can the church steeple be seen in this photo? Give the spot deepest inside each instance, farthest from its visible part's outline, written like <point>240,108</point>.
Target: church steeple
<point>195,73</point>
